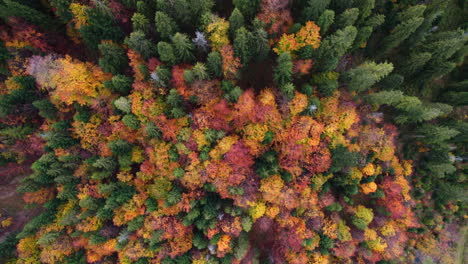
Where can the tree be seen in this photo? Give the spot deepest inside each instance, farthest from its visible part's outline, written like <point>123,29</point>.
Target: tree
<point>183,48</point>
<point>401,32</point>
<point>140,23</point>
<point>334,47</point>
<point>165,25</point>
<point>433,134</point>
<point>365,8</point>
<point>140,43</point>
<point>214,63</point>
<point>283,73</point>
<point>166,53</point>
<point>12,8</point>
<point>325,20</point>
<point>101,26</point>
<point>247,7</point>
<point>114,59</point>
<point>347,18</point>
<point>365,75</point>
<point>314,9</point>
<point>236,21</point>
<point>384,97</point>
<point>242,45</point>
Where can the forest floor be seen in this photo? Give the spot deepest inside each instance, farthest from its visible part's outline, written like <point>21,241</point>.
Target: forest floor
<point>12,205</point>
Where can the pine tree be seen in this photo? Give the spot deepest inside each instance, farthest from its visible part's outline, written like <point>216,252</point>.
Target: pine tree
<point>242,47</point>
<point>314,9</point>
<point>401,32</point>
<point>114,59</point>
<point>183,48</point>
<point>415,62</point>
<point>365,8</point>
<point>214,63</point>
<point>62,9</point>
<point>367,74</point>
<point>283,72</point>
<point>434,134</point>
<point>140,23</point>
<point>138,42</point>
<point>247,7</point>
<point>384,97</point>
<point>166,53</point>
<point>236,21</point>
<point>101,26</point>
<point>46,109</point>
<point>165,25</point>
<point>12,8</point>
<point>347,18</point>
<point>334,47</point>
<point>325,20</point>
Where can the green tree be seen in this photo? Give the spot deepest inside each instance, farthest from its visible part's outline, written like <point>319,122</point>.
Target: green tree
<point>62,9</point>
<point>236,21</point>
<point>140,23</point>
<point>314,9</point>
<point>367,74</point>
<point>334,47</point>
<point>242,46</point>
<point>10,8</point>
<point>101,26</point>
<point>283,73</point>
<point>401,32</point>
<point>365,8</point>
<point>165,25</point>
<point>414,62</point>
<point>120,84</point>
<point>138,42</point>
<point>434,134</point>
<point>325,20</point>
<point>183,48</point>
<point>247,7</point>
<point>214,63</point>
<point>113,59</point>
<point>347,18</point>
<point>46,109</point>
<point>166,53</point>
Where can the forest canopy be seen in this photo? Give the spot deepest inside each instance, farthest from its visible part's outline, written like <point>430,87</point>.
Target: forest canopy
<point>243,131</point>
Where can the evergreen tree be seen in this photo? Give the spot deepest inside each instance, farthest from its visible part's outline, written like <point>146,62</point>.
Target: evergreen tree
<point>242,47</point>
<point>183,48</point>
<point>415,62</point>
<point>365,8</point>
<point>247,7</point>
<point>367,74</point>
<point>214,63</point>
<point>137,41</point>
<point>114,59</point>
<point>100,26</point>
<point>236,21</point>
<point>10,8</point>
<point>120,84</point>
<point>166,53</point>
<point>384,97</point>
<point>347,18</point>
<point>434,134</point>
<point>62,9</point>
<point>325,20</point>
<point>283,72</point>
<point>314,9</point>
<point>165,25</point>
<point>334,47</point>
<point>401,32</point>
<point>46,109</point>
<point>140,23</point>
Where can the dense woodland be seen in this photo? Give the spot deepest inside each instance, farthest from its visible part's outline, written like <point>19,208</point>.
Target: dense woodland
<point>244,131</point>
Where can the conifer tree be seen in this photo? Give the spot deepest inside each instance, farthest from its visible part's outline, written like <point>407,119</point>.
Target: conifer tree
<point>165,25</point>
<point>140,43</point>
<point>242,47</point>
<point>365,8</point>
<point>314,9</point>
<point>183,48</point>
<point>347,18</point>
<point>283,72</point>
<point>113,59</point>
<point>166,53</point>
<point>214,63</point>
<point>248,8</point>
<point>367,74</point>
<point>334,47</point>
<point>325,20</point>
<point>140,23</point>
<point>236,21</point>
